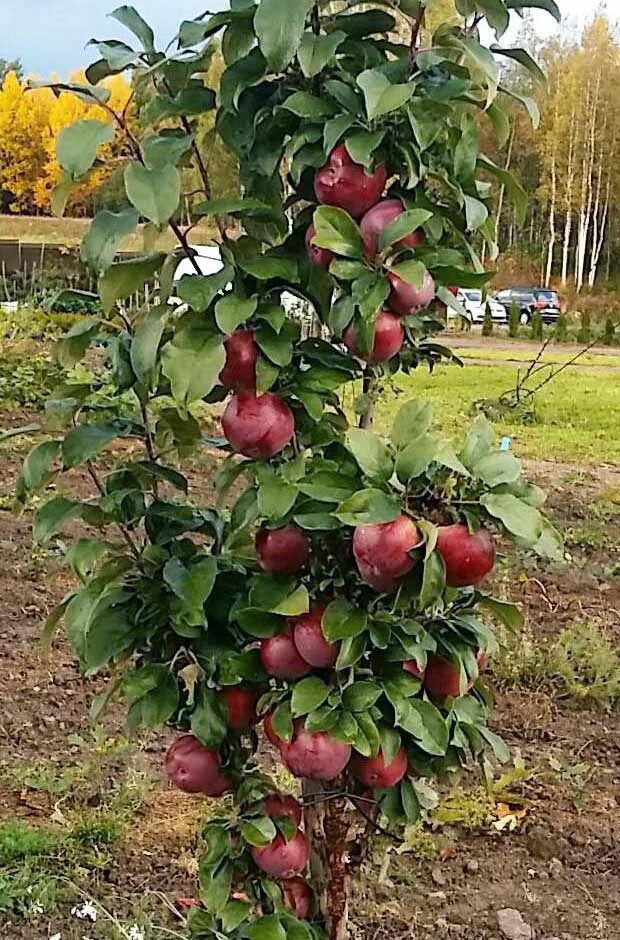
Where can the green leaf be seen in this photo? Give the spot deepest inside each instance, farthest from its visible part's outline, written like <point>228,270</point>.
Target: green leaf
<point>193,583</point>
<point>335,129</point>
<point>433,581</point>
<point>38,468</point>
<point>259,831</point>
<point>166,148</point>
<point>316,51</point>
<point>105,234</point>
<point>231,311</point>
<point>410,271</point>
<point>514,188</point>
<point>361,146</point>
<point>403,225</point>
<point>521,520</point>
<point>279,596</point>
<point>208,722</point>
<point>550,544</point>
<point>199,291</point>
<point>215,889</point>
<point>276,497</point>
<point>77,145</point>
<point>361,696</point>
<point>476,212</point>
<point>85,441</point>
<point>234,914</point>
<point>129,17</point>
<point>497,15</point>
<point>342,621</point>
<point>482,59</point>
<point>427,725</point>
<point>146,339</point>
<point>498,746</point>
<point>380,95</point>
<point>54,515</point>
<point>372,454</point>
<point>525,59</point>
<point>416,457</point>
<point>124,278</point>
<point>267,928</point>
<point>153,694</point>
<point>367,507</point>
<point>530,104</point>
<point>369,729</point>
<point>155,192</point>
<point>478,442</point>
<point>412,420</point>
<point>307,695</point>
<point>193,361</point>
<point>508,614</point>
<point>497,468</point>
<point>466,151</point>
<point>336,230</point>
<point>359,25</point>
<point>277,347</point>
<point>549,5</point>
<point>279,26</point>
<point>305,105</point>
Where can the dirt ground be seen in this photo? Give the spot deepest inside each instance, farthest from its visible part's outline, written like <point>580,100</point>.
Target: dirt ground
<point>556,862</point>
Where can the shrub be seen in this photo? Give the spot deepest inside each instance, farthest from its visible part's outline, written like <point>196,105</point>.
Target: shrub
<point>487,323</point>
<point>609,334</point>
<point>513,322</point>
<point>585,331</point>
<point>561,329</point>
<point>536,326</point>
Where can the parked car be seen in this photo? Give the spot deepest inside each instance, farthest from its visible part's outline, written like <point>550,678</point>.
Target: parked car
<point>475,305</point>
<point>530,299</point>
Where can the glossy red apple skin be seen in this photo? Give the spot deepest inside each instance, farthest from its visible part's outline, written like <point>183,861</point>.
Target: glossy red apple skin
<point>282,859</point>
<point>241,708</point>
<point>297,896</point>
<point>315,755</point>
<point>194,768</point>
<point>374,772</point>
<point>388,338</point>
<point>347,185</point>
<point>239,372</point>
<point>310,640</point>
<point>280,658</point>
<point>442,678</point>
<point>468,558</point>
<point>405,299</point>
<point>377,219</point>
<point>282,551</point>
<point>382,552</point>
<point>322,257</point>
<point>258,426</point>
<point>278,805</point>
<point>413,669</point>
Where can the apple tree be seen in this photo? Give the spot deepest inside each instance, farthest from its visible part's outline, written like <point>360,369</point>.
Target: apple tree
<point>327,602</point>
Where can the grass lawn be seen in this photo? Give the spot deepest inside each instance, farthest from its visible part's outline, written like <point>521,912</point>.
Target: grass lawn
<point>557,357</point>
<point>577,414</point>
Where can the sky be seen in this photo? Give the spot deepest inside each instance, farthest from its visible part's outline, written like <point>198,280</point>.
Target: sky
<point>49,36</point>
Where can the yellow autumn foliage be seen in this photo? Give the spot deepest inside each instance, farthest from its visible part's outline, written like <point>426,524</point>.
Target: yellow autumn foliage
<point>30,121</point>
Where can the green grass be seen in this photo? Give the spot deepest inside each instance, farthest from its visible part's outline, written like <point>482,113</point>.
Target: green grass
<point>556,357</point>
<point>577,416</point>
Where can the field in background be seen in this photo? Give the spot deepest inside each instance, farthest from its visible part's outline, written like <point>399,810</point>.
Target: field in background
<point>69,232</point>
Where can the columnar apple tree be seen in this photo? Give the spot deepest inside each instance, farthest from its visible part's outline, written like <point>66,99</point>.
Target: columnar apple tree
<point>329,605</point>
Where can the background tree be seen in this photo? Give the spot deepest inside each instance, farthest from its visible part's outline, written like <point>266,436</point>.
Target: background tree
<point>338,596</point>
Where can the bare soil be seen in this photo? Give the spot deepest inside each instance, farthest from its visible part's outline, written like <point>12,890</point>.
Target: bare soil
<point>560,867</point>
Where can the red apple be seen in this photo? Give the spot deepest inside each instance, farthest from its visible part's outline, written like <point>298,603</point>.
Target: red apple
<point>239,372</point>
<point>412,667</point>
<point>405,299</point>
<point>280,658</point>
<point>382,552</point>
<point>193,768</point>
<point>388,338</point>
<point>315,755</point>
<point>258,426</point>
<point>277,805</point>
<point>297,896</point>
<point>377,219</point>
<point>282,859</point>
<point>322,257</point>
<point>374,772</point>
<point>468,558</point>
<point>443,678</point>
<point>282,550</point>
<point>241,708</point>
<point>347,185</point>
<point>310,640</point>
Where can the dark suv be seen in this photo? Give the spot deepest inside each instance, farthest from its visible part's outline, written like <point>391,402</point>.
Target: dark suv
<point>530,299</point>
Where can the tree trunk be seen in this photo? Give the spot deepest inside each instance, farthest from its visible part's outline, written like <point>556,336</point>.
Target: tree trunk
<point>327,829</point>
<point>552,234</point>
<point>568,199</point>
